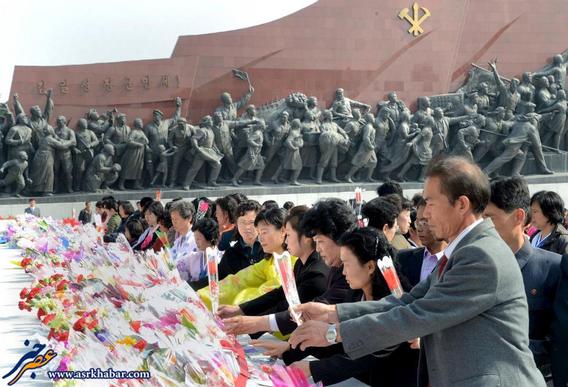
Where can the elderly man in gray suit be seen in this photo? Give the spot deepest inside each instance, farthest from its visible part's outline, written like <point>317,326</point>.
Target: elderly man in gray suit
<point>471,312</point>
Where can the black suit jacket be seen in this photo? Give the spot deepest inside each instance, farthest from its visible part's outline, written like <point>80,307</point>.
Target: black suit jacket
<point>541,273</point>
<point>235,258</point>
<point>311,281</point>
<point>336,291</point>
<point>392,367</point>
<point>410,264</point>
<point>559,352</point>
<point>557,242</point>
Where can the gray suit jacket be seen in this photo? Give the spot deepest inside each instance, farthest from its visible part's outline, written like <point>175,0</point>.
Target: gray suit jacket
<point>33,211</point>
<point>473,321</point>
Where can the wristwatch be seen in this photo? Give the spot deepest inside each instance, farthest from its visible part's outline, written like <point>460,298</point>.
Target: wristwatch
<point>331,334</point>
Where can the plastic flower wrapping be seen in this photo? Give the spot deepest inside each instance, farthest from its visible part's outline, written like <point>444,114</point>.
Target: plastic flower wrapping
<point>104,306</point>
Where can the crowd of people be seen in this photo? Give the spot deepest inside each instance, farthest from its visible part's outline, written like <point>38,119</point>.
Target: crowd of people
<point>484,267</point>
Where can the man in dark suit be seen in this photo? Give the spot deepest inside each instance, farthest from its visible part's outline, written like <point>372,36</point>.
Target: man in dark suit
<point>32,209</point>
<point>471,313</point>
<point>417,264</point>
<point>559,352</point>
<point>509,209</point>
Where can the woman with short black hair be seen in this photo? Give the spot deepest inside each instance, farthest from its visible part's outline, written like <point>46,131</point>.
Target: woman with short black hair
<point>547,215</point>
<point>260,278</point>
<point>396,366</point>
<point>226,215</point>
<point>149,239</point>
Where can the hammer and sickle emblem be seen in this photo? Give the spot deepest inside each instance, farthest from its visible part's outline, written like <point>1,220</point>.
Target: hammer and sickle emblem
<point>414,20</point>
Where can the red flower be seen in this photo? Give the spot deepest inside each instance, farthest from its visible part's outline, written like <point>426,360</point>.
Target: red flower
<point>22,305</point>
<point>48,317</point>
<point>62,285</point>
<point>40,313</point>
<point>59,335</point>
<point>135,325</point>
<point>80,278</point>
<point>140,345</point>
<point>34,292</point>
<point>79,324</point>
<point>93,324</point>
<point>24,293</point>
<point>25,262</point>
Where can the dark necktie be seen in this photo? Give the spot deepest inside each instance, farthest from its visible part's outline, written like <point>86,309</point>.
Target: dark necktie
<point>441,265</point>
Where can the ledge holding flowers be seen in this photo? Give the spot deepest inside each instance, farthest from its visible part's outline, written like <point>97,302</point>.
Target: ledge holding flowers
<point>102,306</point>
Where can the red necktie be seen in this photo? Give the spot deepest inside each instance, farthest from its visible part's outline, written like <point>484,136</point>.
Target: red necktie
<point>442,265</point>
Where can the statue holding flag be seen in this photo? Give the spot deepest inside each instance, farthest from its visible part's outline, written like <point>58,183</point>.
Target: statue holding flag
<point>230,108</point>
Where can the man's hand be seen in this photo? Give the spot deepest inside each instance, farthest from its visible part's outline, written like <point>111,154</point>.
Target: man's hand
<point>414,344</point>
<point>310,334</point>
<point>240,325</point>
<point>317,311</point>
<point>274,348</point>
<point>304,366</point>
<point>226,311</point>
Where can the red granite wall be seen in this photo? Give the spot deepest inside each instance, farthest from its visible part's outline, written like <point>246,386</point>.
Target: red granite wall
<point>360,45</point>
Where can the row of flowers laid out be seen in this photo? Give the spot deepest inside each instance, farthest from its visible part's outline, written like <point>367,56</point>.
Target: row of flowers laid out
<point>103,306</point>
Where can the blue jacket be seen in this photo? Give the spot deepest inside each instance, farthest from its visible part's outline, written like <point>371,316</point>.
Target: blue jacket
<point>560,330</point>
<point>541,274</point>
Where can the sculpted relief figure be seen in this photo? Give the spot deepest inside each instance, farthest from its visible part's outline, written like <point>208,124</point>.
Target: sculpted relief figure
<point>543,96</point>
<point>420,152</point>
<point>252,160</point>
<point>276,136</point>
<point>524,131</point>
<point>38,120</point>
<point>102,172</point>
<point>157,132</point>
<point>331,140</point>
<point>16,174</point>
<point>161,171</point>
<point>83,153</point>
<point>342,107</point>
<point>491,139</point>
<point>204,151</point>
<point>19,138</point>
<point>423,114</point>
<point>179,141</point>
<point>99,124</point>
<point>395,107</point>
<point>229,108</point>
<point>132,159</point>
<point>397,152</point>
<point>292,159</point>
<point>467,137</point>
<point>117,135</point>
<point>440,130</point>
<point>508,97</point>
<point>553,121</point>
<point>224,131</point>
<point>42,168</point>
<point>63,165</point>
<point>365,158</point>
<point>557,70</point>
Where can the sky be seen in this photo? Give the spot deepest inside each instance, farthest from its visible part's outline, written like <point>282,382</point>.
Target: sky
<point>63,32</point>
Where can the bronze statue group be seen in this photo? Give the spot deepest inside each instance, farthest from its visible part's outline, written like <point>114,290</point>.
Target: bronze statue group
<point>493,121</point>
